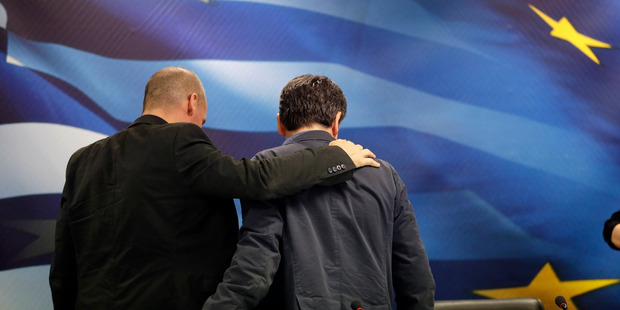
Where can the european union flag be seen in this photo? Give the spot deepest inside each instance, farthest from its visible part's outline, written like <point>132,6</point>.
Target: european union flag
<point>501,117</point>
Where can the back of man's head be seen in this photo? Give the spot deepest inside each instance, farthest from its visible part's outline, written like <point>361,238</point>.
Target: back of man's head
<point>309,99</point>
<point>169,86</point>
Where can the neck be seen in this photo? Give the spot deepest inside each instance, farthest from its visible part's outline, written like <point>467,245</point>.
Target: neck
<point>290,133</point>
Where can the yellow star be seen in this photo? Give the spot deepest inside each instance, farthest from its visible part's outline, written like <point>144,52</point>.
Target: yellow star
<point>546,286</point>
<point>564,30</point>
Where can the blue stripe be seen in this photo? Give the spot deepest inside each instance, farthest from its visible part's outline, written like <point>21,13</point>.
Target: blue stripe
<point>506,77</point>
<point>256,32</point>
<point>51,101</point>
<point>36,207</point>
<point>247,31</point>
<point>532,144</point>
<point>194,29</point>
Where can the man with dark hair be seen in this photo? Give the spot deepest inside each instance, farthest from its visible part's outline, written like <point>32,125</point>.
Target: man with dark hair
<point>611,231</point>
<point>147,219</point>
<point>357,241</point>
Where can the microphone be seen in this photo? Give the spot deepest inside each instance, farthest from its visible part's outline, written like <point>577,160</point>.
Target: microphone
<point>356,305</point>
<point>561,302</point>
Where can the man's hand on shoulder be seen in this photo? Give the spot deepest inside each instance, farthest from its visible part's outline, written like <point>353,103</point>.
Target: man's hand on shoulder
<point>359,155</point>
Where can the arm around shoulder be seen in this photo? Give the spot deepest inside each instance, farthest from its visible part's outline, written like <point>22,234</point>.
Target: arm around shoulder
<point>216,174</point>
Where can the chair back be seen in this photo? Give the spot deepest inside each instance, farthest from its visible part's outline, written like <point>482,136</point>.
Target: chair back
<point>490,304</point>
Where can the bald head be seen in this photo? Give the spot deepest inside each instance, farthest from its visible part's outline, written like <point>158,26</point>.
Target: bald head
<point>170,90</point>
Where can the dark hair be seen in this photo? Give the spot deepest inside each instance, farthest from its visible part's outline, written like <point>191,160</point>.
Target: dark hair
<point>309,99</point>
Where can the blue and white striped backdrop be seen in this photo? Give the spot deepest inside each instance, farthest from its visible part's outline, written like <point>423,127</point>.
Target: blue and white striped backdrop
<point>502,118</point>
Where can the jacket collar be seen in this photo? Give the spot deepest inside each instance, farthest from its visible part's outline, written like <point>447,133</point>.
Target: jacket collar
<point>319,135</point>
<point>149,119</point>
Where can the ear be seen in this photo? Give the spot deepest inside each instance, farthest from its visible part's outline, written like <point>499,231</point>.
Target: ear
<point>336,125</point>
<point>192,104</point>
<point>281,128</point>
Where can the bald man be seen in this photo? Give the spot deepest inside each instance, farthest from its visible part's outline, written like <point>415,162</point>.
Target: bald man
<point>147,219</point>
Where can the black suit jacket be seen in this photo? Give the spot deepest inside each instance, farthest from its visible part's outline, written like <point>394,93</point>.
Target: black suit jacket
<point>147,219</point>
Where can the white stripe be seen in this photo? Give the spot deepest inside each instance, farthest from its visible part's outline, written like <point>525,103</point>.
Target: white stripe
<point>13,61</point>
<point>3,17</point>
<point>25,288</point>
<point>244,95</point>
<point>33,156</point>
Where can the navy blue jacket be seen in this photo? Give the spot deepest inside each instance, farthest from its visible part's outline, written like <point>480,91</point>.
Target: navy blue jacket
<point>357,240</point>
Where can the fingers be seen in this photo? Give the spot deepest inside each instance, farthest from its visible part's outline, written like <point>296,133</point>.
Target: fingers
<point>338,141</point>
<point>368,153</point>
<point>359,155</point>
<point>346,145</point>
<point>371,162</point>
<point>364,157</point>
